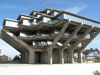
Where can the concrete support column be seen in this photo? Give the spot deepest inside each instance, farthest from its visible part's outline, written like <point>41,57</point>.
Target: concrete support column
<point>31,58</point>
<point>49,56</point>
<point>79,57</point>
<point>67,57</point>
<point>71,57</point>
<point>61,54</point>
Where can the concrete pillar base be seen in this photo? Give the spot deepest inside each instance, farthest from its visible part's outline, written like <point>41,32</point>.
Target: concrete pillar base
<point>31,58</point>
<point>79,57</point>
<point>61,55</point>
<point>50,57</point>
<point>71,60</point>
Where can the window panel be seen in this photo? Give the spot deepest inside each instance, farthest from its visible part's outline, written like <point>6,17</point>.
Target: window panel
<point>26,22</point>
<point>77,19</point>
<point>12,24</point>
<point>45,19</point>
<point>48,11</point>
<point>34,22</point>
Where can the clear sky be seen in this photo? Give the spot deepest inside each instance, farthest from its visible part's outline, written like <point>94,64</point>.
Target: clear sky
<point>12,8</point>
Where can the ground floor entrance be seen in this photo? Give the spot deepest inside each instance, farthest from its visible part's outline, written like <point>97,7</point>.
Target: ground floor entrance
<point>42,57</point>
<point>37,57</point>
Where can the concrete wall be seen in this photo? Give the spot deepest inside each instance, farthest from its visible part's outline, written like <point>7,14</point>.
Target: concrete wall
<point>55,56</point>
<point>43,58</point>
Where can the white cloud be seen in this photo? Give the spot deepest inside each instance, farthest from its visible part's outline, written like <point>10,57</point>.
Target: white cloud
<point>76,9</point>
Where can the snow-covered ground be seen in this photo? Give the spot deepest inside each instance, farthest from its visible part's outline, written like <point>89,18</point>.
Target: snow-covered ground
<point>55,69</point>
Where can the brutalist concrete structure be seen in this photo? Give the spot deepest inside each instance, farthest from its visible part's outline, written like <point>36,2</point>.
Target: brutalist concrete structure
<point>49,36</point>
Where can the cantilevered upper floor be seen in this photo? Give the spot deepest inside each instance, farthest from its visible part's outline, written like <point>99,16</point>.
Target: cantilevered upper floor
<point>47,31</point>
<point>44,26</point>
<point>49,16</point>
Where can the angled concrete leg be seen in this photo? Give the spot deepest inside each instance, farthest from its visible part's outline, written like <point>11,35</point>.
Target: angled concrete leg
<point>61,57</point>
<point>70,56</point>
<point>50,57</point>
<point>31,58</point>
<point>79,57</point>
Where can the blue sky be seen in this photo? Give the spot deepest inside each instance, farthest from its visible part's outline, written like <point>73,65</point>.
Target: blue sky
<point>12,8</point>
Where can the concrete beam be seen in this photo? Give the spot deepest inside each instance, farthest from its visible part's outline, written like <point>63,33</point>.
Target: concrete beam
<point>76,44</point>
<point>81,38</point>
<point>72,35</point>
<point>57,39</point>
<point>88,41</point>
<point>59,36</point>
<point>68,40</point>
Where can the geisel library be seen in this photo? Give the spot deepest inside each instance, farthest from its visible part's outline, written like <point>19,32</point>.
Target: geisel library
<point>49,36</point>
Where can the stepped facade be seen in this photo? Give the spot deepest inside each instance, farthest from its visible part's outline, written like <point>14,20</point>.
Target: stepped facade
<point>49,36</point>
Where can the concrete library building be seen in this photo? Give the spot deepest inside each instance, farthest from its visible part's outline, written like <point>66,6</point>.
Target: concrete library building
<point>50,36</point>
